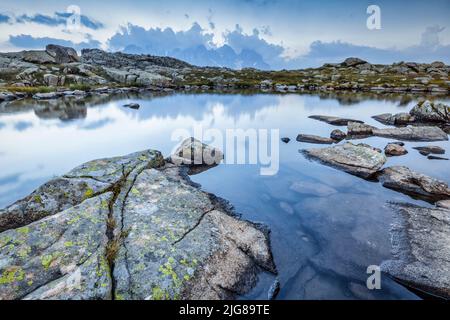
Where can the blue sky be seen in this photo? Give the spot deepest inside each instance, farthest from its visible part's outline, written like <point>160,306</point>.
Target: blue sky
<point>276,33</point>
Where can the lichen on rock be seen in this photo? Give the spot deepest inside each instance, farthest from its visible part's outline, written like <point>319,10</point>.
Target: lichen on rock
<point>130,227</point>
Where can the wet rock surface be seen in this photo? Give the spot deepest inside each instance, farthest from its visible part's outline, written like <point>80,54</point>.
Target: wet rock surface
<point>360,160</point>
<point>334,120</point>
<point>130,227</point>
<point>421,249</point>
<point>410,182</point>
<point>426,150</point>
<point>431,157</point>
<point>338,135</point>
<point>412,133</point>
<point>193,152</point>
<point>358,130</point>
<point>309,138</point>
<point>394,119</point>
<point>393,149</point>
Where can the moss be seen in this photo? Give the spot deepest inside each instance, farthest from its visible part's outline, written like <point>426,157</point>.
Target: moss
<point>38,199</point>
<point>4,241</point>
<point>74,220</point>
<point>29,90</point>
<point>46,260</point>
<point>159,294</point>
<point>11,275</point>
<point>118,296</point>
<point>23,230</point>
<point>68,244</point>
<point>24,252</point>
<point>88,193</point>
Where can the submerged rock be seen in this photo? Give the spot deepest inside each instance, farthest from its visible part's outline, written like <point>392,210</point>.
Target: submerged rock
<point>360,160</point>
<point>421,249</point>
<point>309,138</point>
<point>127,228</point>
<point>393,149</point>
<point>413,133</point>
<point>274,290</point>
<point>427,111</point>
<point>436,158</point>
<point>405,180</point>
<point>429,150</point>
<point>334,120</point>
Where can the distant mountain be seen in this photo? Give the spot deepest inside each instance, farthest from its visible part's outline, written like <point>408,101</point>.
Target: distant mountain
<point>201,56</point>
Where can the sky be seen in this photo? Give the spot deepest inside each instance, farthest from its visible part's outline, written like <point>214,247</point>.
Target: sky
<point>269,34</point>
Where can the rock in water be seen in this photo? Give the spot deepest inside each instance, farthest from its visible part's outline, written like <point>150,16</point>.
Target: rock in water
<point>336,121</point>
<point>396,119</point>
<point>407,181</point>
<point>360,160</point>
<point>427,111</point>
<point>430,149</point>
<point>127,228</point>
<point>273,290</point>
<point>436,158</point>
<point>393,149</point>
<point>413,133</point>
<point>285,140</point>
<point>359,129</point>
<point>421,249</point>
<point>309,138</point>
<point>134,106</point>
<point>443,204</point>
<point>193,152</point>
<point>338,135</point>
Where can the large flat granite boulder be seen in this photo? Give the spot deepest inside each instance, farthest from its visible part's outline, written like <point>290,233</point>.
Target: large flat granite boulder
<point>361,160</point>
<point>129,227</point>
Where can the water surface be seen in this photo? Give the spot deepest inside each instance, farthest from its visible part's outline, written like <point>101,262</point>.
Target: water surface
<point>323,234</point>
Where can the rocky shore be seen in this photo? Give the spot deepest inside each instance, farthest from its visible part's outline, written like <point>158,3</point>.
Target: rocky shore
<point>130,227</point>
<point>59,71</point>
<point>420,235</point>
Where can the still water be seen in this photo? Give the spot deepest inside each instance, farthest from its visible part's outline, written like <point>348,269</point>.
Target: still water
<point>326,226</point>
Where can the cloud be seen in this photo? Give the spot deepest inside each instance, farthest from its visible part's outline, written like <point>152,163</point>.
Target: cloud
<point>59,18</point>
<point>430,38</point>
<point>430,49</point>
<point>159,41</point>
<point>196,46</point>
<point>84,20</point>
<point>30,42</point>
<point>4,18</point>
<point>239,41</point>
